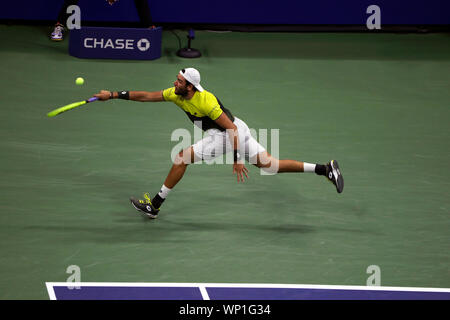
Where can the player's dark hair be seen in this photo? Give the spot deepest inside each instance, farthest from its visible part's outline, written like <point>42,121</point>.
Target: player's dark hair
<point>193,87</point>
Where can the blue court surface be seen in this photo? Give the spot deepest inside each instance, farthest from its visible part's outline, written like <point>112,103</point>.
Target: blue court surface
<point>218,291</point>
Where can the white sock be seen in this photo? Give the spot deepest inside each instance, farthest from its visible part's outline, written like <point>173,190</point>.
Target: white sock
<point>309,167</point>
<point>164,192</point>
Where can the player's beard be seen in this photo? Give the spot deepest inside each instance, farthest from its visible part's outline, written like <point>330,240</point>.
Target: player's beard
<point>181,91</point>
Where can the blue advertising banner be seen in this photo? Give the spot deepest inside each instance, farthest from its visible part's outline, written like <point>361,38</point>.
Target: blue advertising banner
<point>116,43</point>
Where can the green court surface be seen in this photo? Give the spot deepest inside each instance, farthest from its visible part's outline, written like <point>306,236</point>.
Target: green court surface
<point>378,103</point>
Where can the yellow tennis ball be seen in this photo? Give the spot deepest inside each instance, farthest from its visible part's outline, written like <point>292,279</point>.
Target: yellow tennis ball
<point>79,81</point>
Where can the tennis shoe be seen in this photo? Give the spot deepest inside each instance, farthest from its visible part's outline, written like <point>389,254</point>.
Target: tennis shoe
<point>58,33</point>
<point>334,175</point>
<point>145,206</point>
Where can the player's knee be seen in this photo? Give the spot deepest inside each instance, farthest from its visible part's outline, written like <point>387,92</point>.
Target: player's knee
<point>267,163</point>
<point>182,159</point>
<point>265,160</point>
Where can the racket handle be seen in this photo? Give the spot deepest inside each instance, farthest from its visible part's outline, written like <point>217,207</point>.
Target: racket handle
<point>91,99</point>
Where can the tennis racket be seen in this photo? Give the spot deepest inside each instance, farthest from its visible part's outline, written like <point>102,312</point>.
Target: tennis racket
<point>70,107</point>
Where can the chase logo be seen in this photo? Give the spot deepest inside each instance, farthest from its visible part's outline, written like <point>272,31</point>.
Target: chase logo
<point>143,44</point>
<point>116,43</point>
<point>121,44</point>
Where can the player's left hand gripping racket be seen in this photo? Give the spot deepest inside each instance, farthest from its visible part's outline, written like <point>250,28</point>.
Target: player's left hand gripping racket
<point>70,107</point>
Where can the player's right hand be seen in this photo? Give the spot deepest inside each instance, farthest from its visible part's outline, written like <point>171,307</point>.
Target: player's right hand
<point>103,95</point>
<point>239,169</point>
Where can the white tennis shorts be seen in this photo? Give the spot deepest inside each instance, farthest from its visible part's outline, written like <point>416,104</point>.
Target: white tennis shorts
<point>217,143</point>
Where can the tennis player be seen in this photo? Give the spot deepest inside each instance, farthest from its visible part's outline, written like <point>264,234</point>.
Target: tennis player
<point>224,133</point>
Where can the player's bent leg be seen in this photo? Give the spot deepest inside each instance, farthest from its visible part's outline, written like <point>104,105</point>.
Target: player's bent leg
<point>151,207</point>
<point>181,161</point>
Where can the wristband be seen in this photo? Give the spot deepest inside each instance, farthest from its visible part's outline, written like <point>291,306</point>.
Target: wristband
<point>124,95</point>
<point>111,95</point>
<point>236,156</point>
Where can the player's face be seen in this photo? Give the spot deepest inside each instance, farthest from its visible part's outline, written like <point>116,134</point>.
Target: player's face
<point>180,86</point>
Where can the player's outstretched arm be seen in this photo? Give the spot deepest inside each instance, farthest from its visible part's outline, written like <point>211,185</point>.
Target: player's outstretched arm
<point>142,96</point>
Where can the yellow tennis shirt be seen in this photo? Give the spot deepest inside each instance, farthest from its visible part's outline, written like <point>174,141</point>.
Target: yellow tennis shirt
<point>203,107</point>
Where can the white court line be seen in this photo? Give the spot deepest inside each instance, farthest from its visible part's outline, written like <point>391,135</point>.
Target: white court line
<point>203,286</point>
<point>204,293</point>
<point>51,291</point>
